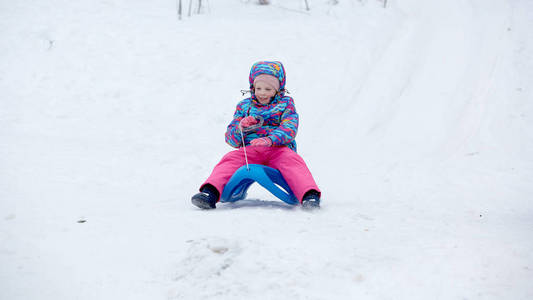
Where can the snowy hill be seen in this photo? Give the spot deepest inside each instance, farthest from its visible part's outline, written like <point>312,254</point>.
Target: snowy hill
<point>415,120</point>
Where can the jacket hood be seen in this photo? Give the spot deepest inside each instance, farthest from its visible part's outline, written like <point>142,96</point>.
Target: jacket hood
<point>274,68</point>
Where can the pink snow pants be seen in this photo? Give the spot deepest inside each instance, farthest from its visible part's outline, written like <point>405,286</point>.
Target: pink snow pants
<point>288,162</point>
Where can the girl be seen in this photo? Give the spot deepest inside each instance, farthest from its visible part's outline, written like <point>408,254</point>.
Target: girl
<point>269,143</point>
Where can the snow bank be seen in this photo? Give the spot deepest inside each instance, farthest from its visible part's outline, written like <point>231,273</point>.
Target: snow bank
<point>414,119</point>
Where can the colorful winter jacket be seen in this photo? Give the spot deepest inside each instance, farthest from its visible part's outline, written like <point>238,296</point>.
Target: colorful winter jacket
<point>280,118</point>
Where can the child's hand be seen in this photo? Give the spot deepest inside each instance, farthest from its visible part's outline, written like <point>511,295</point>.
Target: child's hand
<point>248,121</point>
<point>264,141</point>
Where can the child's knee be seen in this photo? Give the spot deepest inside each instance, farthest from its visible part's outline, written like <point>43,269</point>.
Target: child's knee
<point>232,156</point>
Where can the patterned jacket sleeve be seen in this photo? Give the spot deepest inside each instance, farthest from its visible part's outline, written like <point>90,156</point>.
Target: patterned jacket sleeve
<point>233,135</point>
<point>286,132</point>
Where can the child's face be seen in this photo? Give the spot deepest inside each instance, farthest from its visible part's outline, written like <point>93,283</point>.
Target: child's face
<point>264,92</point>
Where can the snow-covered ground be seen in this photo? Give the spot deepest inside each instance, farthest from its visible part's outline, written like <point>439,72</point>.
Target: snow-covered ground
<point>416,121</point>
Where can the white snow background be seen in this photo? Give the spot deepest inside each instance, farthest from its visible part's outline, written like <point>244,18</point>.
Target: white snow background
<point>415,119</point>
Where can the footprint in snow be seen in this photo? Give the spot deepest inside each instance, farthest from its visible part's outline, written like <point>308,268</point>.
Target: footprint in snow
<point>207,257</point>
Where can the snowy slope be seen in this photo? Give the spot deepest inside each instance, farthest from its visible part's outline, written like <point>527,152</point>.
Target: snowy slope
<point>415,120</point>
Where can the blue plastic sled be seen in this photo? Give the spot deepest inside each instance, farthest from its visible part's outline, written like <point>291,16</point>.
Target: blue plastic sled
<point>270,178</point>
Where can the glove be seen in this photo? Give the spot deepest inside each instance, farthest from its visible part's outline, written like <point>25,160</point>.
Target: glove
<point>248,121</point>
<point>264,141</point>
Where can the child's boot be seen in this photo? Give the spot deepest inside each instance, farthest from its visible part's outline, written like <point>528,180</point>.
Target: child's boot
<point>311,200</point>
<point>207,198</point>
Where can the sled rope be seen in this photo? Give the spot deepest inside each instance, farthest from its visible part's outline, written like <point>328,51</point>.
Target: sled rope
<point>244,148</point>
<point>247,129</point>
